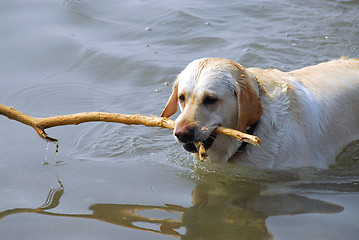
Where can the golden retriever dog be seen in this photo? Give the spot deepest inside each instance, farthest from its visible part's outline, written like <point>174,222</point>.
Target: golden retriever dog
<point>303,117</point>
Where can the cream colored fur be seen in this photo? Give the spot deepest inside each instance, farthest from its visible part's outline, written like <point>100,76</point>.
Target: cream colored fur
<point>305,117</point>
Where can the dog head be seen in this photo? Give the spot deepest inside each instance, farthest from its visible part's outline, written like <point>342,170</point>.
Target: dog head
<point>213,92</point>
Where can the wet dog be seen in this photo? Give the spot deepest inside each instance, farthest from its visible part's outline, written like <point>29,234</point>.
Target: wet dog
<point>303,117</point>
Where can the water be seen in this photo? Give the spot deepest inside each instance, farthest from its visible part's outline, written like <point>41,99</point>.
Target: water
<point>110,181</point>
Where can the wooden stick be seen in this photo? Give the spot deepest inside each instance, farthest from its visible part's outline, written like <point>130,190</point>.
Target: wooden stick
<point>201,151</point>
<point>40,124</point>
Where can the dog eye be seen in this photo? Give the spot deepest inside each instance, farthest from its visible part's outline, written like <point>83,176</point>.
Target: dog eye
<point>182,98</point>
<point>210,100</point>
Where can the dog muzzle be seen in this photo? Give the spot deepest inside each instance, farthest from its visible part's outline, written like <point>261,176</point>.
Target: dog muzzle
<point>190,147</point>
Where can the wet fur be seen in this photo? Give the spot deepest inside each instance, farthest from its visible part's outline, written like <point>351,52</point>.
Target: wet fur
<point>305,117</point>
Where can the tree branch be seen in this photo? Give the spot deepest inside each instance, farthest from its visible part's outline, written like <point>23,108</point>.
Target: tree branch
<point>40,124</point>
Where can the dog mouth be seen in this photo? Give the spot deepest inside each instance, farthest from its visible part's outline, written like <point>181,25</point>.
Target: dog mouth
<point>190,147</point>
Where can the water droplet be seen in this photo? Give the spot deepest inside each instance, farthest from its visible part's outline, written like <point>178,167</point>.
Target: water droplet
<point>46,155</point>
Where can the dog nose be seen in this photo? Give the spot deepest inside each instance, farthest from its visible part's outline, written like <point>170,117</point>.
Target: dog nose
<point>185,134</point>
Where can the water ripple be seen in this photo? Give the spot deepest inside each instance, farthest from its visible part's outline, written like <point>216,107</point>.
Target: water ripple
<point>54,98</point>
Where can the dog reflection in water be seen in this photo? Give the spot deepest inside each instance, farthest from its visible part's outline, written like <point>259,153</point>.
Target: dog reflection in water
<point>219,211</point>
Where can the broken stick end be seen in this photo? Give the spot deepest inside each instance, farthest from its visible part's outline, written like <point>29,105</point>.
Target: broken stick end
<point>44,136</point>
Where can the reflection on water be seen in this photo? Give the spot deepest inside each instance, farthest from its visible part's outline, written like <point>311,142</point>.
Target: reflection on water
<point>218,211</point>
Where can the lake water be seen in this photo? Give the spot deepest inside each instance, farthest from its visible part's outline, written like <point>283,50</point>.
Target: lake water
<point>111,181</point>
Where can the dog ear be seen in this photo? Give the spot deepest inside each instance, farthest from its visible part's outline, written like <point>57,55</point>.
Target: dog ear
<point>171,107</point>
<point>249,106</point>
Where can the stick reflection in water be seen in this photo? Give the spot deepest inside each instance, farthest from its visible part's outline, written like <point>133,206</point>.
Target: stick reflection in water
<point>221,211</point>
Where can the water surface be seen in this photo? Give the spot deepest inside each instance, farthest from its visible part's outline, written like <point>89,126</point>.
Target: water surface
<point>110,181</point>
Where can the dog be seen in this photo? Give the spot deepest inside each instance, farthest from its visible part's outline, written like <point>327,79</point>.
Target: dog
<point>304,117</point>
